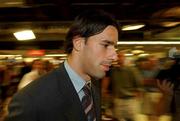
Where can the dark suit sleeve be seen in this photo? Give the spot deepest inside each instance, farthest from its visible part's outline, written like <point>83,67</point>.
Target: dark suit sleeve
<point>21,109</point>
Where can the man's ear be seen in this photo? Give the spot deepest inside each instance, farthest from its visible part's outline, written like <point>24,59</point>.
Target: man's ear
<point>77,43</point>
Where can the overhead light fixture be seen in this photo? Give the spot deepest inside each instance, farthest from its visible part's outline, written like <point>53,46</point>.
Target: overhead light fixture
<point>129,54</point>
<point>143,54</point>
<point>148,42</point>
<point>14,3</point>
<point>29,59</point>
<point>56,55</point>
<point>24,35</point>
<point>132,27</point>
<point>10,55</point>
<point>19,58</point>
<point>137,51</point>
<point>170,24</point>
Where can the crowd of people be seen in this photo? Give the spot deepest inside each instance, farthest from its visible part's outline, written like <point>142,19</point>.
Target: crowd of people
<point>142,88</point>
<point>16,75</point>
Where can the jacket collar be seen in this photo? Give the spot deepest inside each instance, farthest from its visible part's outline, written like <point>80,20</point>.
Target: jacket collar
<point>72,104</point>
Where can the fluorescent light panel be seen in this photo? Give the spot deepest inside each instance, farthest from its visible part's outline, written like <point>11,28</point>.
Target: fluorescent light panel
<point>129,54</point>
<point>55,55</point>
<point>132,27</point>
<point>24,35</point>
<point>10,55</point>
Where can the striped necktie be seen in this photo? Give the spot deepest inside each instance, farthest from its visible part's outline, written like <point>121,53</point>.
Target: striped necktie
<point>87,103</point>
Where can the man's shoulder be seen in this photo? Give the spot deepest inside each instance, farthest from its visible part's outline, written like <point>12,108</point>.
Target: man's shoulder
<point>47,82</point>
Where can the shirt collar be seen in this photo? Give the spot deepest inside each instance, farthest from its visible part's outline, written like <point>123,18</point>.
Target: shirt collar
<point>76,80</point>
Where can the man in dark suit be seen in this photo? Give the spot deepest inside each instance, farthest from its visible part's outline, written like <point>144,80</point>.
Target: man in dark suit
<point>57,96</point>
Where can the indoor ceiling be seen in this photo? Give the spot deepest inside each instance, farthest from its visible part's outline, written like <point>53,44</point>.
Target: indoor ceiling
<point>50,20</point>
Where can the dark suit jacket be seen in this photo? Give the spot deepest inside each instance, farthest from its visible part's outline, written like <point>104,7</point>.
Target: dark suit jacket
<point>50,98</point>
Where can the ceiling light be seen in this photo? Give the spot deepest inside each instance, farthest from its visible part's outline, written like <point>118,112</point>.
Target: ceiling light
<point>14,3</point>
<point>143,54</point>
<point>148,42</point>
<point>170,24</point>
<point>10,55</point>
<point>24,35</point>
<point>129,54</point>
<point>137,51</point>
<point>55,55</point>
<point>18,58</point>
<point>132,27</point>
<point>29,59</point>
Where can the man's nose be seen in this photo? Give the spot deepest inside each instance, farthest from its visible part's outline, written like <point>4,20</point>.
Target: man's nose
<point>115,58</point>
<point>114,55</point>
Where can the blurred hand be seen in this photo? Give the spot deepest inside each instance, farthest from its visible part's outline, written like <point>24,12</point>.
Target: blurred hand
<point>165,86</point>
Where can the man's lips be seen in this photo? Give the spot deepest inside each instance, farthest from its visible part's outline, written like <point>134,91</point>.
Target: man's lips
<point>106,67</point>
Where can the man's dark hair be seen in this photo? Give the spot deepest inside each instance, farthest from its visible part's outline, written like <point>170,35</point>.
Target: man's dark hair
<point>87,24</point>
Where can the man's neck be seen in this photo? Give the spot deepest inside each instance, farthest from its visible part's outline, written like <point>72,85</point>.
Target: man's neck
<point>77,68</point>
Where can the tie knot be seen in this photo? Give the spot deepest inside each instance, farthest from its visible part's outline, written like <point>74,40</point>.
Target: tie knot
<point>88,84</point>
<point>87,90</point>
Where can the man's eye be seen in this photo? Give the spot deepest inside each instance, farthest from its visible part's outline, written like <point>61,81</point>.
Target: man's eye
<point>105,45</point>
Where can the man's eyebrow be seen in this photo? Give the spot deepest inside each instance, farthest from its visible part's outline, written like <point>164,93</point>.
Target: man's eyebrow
<point>109,42</point>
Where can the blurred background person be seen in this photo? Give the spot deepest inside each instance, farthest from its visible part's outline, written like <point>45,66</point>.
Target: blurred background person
<point>7,76</point>
<point>125,90</point>
<point>48,66</point>
<point>37,70</point>
<point>148,66</point>
<point>24,69</point>
<point>169,84</point>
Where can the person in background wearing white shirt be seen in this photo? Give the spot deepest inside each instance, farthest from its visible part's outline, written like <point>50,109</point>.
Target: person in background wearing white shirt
<point>36,71</point>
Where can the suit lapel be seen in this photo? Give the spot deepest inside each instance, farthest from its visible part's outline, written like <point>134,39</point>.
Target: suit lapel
<point>72,105</point>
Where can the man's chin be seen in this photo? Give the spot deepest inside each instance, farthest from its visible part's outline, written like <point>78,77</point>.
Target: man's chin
<point>100,75</point>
